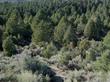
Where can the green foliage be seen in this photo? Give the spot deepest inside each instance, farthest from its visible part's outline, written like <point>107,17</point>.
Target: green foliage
<point>34,64</point>
<point>42,28</point>
<point>2,20</point>
<point>56,17</point>
<point>61,29</point>
<point>50,50</point>
<point>12,22</point>
<point>82,23</point>
<point>76,28</point>
<point>106,22</point>
<point>90,55</point>
<point>1,34</point>
<point>93,28</point>
<point>84,44</point>
<point>80,28</point>
<point>70,36</point>
<point>27,18</point>
<point>9,47</point>
<point>89,29</point>
<point>104,62</point>
<point>64,56</point>
<point>23,33</point>
<point>16,28</point>
<point>42,32</point>
<point>106,40</point>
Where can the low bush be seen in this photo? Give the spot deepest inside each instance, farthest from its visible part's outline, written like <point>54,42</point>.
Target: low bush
<point>28,76</point>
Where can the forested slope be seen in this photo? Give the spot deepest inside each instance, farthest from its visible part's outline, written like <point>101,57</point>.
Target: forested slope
<point>55,41</point>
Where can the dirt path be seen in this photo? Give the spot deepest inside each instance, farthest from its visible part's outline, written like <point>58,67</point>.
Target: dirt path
<point>59,72</point>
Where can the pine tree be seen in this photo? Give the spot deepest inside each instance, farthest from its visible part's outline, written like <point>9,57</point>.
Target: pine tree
<point>42,27</point>
<point>56,17</point>
<point>61,29</point>
<point>42,32</point>
<point>9,47</point>
<point>81,24</point>
<point>88,31</point>
<point>12,22</point>
<point>40,16</point>
<point>93,28</point>
<point>27,18</point>
<point>16,27</point>
<point>70,36</point>
<point>98,27</point>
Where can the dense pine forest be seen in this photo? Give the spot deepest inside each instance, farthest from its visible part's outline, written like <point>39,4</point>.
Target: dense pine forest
<point>54,40</point>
